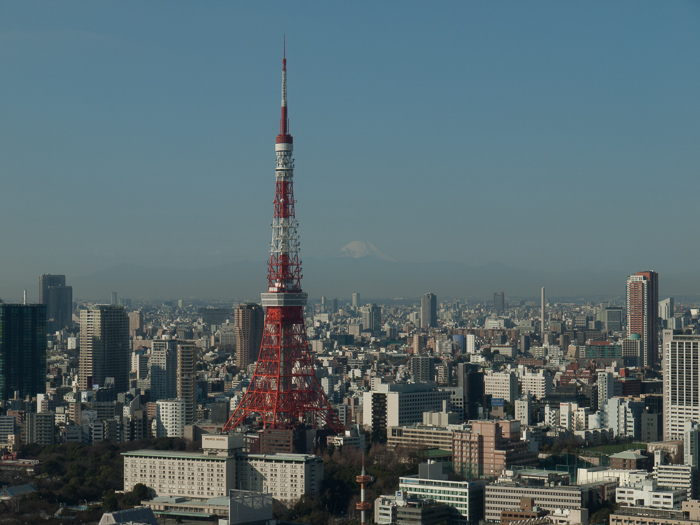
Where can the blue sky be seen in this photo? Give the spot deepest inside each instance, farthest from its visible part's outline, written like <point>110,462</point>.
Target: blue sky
<point>552,135</point>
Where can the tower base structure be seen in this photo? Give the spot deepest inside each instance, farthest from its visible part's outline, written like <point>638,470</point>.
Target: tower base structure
<point>284,391</point>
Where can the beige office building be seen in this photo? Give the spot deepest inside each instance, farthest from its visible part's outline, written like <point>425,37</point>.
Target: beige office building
<point>193,475</point>
<point>104,347</point>
<point>286,476</point>
<point>689,514</point>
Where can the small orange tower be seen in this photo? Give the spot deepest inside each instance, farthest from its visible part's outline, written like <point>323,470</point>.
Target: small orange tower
<point>363,505</point>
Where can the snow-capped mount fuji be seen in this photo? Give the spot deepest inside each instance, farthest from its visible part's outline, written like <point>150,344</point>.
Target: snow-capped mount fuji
<point>359,249</point>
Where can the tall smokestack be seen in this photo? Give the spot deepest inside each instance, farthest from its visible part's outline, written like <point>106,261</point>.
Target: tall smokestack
<point>542,332</point>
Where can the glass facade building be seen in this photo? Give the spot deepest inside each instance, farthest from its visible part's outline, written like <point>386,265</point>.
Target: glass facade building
<point>22,350</point>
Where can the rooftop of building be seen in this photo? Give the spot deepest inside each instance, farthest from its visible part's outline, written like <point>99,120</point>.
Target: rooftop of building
<point>282,457</point>
<point>222,501</point>
<point>628,455</point>
<point>175,454</point>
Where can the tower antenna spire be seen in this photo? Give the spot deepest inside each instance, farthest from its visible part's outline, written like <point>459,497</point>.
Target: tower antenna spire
<point>284,119</point>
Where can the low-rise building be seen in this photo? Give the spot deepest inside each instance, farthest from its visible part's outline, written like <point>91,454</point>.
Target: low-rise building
<point>647,493</point>
<point>489,447</point>
<point>287,477</point>
<point>193,475</point>
<point>688,514</point>
<point>464,497</point>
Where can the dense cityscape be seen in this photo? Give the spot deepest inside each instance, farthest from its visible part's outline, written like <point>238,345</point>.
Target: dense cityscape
<point>533,406</point>
<point>597,410</point>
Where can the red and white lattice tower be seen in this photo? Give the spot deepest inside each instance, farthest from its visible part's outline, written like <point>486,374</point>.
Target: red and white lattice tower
<point>284,390</point>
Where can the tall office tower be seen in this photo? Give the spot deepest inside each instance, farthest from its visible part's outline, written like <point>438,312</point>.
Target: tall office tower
<point>22,350</point>
<point>163,369</point>
<point>356,299</point>
<point>248,321</point>
<point>666,310</point>
<point>543,339</point>
<point>606,388</point>
<point>58,299</point>
<point>187,378</point>
<point>681,373</point>
<point>428,310</point>
<point>113,300</point>
<point>135,323</point>
<point>284,390</point>
<point>499,302</point>
<point>372,318</point>
<point>104,347</point>
<point>642,313</point>
<point>334,306</point>
<point>470,378</point>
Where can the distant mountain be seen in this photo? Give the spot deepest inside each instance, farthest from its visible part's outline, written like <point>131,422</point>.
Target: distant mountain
<point>359,249</point>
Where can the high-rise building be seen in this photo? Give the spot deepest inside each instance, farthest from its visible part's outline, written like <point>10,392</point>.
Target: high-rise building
<point>611,317</point>
<point>371,318</point>
<point>135,323</point>
<point>248,322</point>
<point>187,379</point>
<point>22,350</point>
<point>666,308</point>
<point>428,310</point>
<point>642,313</point>
<point>471,379</point>
<point>681,382</point>
<point>422,368</point>
<point>499,302</point>
<point>58,299</point>
<point>606,388</point>
<point>41,429</point>
<point>170,418</point>
<point>104,347</point>
<point>356,299</point>
<point>543,328</point>
<point>162,367</point>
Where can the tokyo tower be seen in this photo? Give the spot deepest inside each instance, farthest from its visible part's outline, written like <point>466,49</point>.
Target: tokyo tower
<point>284,391</point>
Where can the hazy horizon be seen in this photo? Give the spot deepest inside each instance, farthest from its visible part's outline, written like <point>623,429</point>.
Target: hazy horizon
<point>551,140</point>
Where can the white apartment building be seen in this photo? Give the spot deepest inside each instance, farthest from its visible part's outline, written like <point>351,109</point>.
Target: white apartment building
<point>503,385</point>
<point>678,477</point>
<point>393,405</point>
<point>681,387</point>
<point>588,475</point>
<point>470,340</point>
<point>464,496</point>
<point>648,494</point>
<point>287,477</point>
<point>170,418</point>
<point>194,475</point>
<point>523,410</point>
<point>538,384</point>
<point>552,415</point>
<point>624,417</point>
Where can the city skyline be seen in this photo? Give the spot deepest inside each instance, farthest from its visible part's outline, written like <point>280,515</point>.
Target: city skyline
<point>545,133</point>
